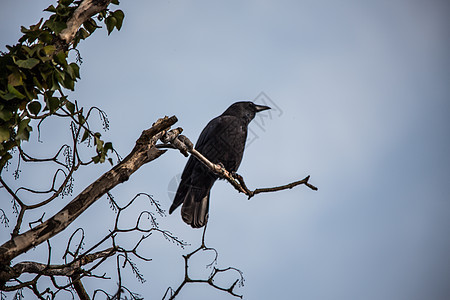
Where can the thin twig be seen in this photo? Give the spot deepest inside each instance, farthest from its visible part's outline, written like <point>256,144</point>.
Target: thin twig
<point>173,138</point>
<point>210,281</point>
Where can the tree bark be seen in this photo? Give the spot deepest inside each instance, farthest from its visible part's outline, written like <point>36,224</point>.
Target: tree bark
<point>69,269</point>
<point>84,11</point>
<point>143,152</point>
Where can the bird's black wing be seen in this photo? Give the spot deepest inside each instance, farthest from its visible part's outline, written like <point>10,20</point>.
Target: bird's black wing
<point>193,167</point>
<point>221,141</point>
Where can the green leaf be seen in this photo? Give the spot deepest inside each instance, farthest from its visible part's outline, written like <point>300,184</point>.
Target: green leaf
<point>34,107</point>
<point>69,83</point>
<point>32,33</point>
<point>90,25</point>
<point>23,131</point>
<point>30,92</point>
<point>55,26</point>
<point>15,79</point>
<point>85,136</point>
<point>110,22</point>
<point>46,71</point>
<point>45,37</point>
<point>49,49</point>
<point>27,49</point>
<point>61,58</point>
<point>69,72</point>
<point>75,70</point>
<point>96,159</point>
<point>60,75</point>
<point>119,15</point>
<point>36,26</point>
<point>51,85</point>
<point>27,63</point>
<point>81,119</point>
<point>70,107</point>
<point>5,114</point>
<point>4,134</point>
<point>115,2</point>
<point>35,48</point>
<point>108,146</point>
<point>99,143</point>
<point>62,10</point>
<point>66,2</point>
<point>7,96</point>
<point>51,8</point>
<point>24,37</point>
<point>15,92</point>
<point>37,83</point>
<point>52,103</point>
<point>83,33</point>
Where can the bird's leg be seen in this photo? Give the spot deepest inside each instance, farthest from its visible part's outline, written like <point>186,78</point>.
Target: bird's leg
<point>241,181</point>
<point>224,172</point>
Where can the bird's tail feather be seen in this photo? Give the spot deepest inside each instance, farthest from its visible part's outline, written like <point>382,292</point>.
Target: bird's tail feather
<point>195,208</point>
<point>183,190</point>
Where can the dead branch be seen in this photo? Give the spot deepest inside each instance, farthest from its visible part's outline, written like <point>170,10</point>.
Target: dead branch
<point>69,269</point>
<point>174,139</point>
<point>76,258</point>
<point>143,152</point>
<point>172,293</point>
<point>79,287</point>
<point>250,193</point>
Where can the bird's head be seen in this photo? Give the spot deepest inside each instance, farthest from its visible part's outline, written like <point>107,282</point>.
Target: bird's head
<point>245,110</point>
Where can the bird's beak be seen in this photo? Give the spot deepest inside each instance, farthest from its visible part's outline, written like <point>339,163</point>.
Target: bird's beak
<point>261,107</point>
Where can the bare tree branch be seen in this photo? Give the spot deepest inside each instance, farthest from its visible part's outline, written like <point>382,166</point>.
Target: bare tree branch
<point>54,270</point>
<point>250,193</point>
<point>79,288</point>
<point>174,139</point>
<point>143,152</point>
<point>75,260</point>
<point>171,293</point>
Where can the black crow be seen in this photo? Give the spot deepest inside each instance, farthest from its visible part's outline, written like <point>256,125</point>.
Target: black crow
<point>221,141</point>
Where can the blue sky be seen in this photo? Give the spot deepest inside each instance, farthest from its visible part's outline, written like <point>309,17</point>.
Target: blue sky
<point>363,92</point>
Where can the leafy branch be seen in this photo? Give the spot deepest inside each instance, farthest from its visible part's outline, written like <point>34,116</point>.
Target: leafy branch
<point>34,72</point>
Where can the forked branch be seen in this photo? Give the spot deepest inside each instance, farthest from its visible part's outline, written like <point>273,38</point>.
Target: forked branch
<point>69,269</point>
<point>143,152</point>
<point>174,139</point>
<point>172,293</point>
